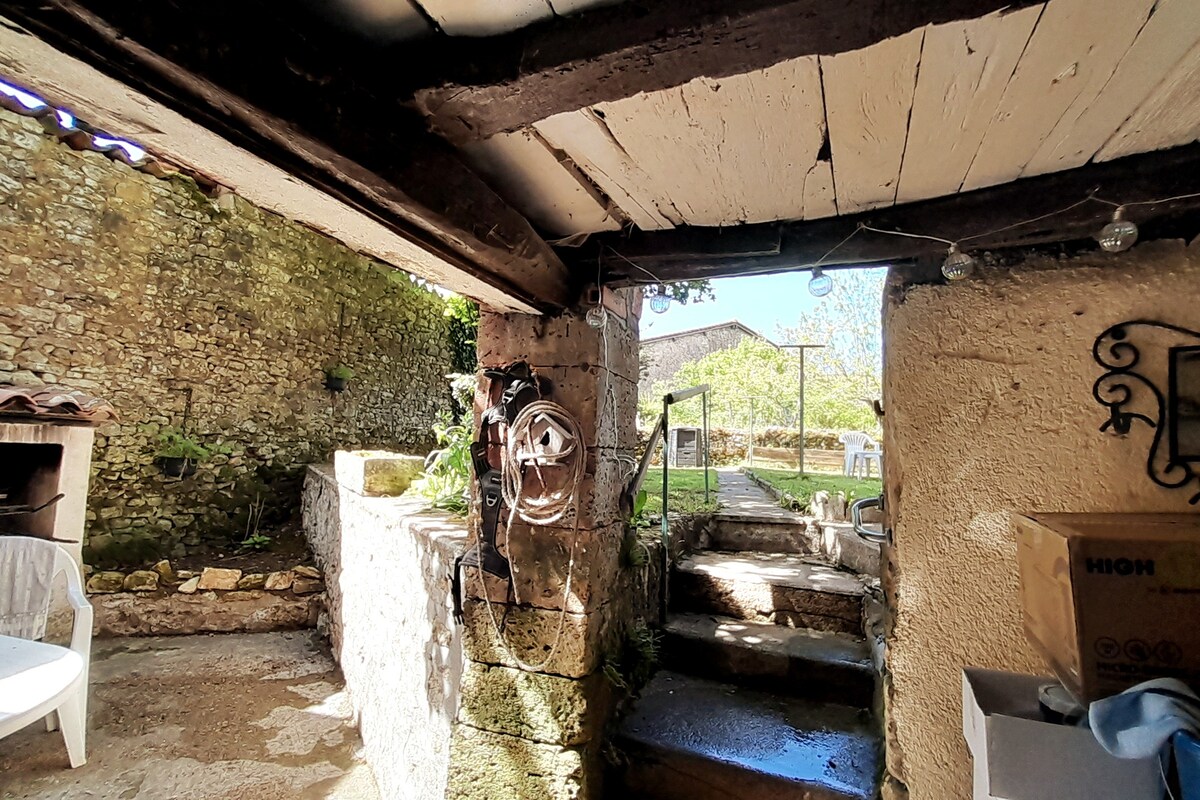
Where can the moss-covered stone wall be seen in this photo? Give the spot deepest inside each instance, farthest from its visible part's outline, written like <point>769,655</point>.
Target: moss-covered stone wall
<point>211,316</point>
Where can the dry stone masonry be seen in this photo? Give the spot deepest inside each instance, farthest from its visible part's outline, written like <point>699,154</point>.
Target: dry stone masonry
<point>209,315</point>
<point>164,601</point>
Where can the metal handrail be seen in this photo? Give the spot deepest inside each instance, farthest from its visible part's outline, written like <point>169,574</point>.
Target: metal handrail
<point>662,432</point>
<point>856,509</point>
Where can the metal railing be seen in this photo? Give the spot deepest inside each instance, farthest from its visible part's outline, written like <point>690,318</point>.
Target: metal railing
<point>662,431</point>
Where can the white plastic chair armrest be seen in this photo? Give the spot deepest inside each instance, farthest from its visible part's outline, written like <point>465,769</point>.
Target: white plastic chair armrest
<point>81,629</point>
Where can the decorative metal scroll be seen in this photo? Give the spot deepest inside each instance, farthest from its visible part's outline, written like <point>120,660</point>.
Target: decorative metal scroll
<point>1172,413</point>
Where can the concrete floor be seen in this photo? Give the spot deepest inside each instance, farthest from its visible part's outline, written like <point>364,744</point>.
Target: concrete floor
<point>246,716</point>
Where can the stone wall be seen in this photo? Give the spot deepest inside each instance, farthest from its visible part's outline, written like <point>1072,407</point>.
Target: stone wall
<point>209,315</point>
<point>988,394</point>
<point>387,569</point>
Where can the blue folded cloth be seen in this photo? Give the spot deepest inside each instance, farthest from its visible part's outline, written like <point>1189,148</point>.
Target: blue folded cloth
<point>1153,718</point>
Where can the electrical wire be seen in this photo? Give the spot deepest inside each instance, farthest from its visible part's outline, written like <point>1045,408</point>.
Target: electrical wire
<point>1148,202</point>
<point>1091,197</point>
<point>904,233</point>
<point>1074,205</point>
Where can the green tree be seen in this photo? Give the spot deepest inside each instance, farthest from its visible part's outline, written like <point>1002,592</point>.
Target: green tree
<point>845,375</point>
<point>841,378</point>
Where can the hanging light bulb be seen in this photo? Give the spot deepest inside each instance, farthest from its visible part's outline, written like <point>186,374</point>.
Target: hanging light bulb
<point>596,316</point>
<point>661,301</point>
<point>821,284</point>
<point>1118,235</point>
<point>958,265</point>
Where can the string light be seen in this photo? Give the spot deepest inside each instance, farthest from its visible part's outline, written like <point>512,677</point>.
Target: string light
<point>958,265</point>
<point>660,301</point>
<point>596,316</point>
<point>1118,235</point>
<point>820,284</point>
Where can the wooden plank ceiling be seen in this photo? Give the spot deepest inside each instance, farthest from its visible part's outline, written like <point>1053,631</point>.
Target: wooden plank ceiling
<point>943,109</point>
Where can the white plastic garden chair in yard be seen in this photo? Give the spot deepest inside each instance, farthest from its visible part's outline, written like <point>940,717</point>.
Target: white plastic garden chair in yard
<point>38,679</point>
<point>855,442</point>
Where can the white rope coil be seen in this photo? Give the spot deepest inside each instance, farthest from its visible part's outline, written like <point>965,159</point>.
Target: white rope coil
<point>524,451</point>
<point>548,506</point>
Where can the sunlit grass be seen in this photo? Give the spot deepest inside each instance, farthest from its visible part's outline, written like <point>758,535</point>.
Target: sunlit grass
<point>685,494</point>
<point>802,488</point>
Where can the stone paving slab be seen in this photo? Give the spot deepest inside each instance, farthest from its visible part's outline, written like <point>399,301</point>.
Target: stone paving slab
<point>217,717</point>
<point>741,498</point>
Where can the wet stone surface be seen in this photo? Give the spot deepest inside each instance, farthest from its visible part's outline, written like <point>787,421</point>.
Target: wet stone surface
<point>722,741</point>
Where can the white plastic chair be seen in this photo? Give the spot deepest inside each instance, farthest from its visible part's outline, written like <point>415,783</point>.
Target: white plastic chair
<point>38,679</point>
<point>855,442</point>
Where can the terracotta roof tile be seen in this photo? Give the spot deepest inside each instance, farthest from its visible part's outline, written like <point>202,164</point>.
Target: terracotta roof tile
<point>54,404</point>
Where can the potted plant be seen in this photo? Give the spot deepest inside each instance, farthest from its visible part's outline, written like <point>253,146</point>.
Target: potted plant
<point>337,376</point>
<point>178,454</point>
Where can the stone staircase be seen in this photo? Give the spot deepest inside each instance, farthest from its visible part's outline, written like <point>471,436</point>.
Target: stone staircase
<point>767,681</point>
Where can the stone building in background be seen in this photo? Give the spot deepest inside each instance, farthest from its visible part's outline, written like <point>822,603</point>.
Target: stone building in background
<point>662,356</point>
<point>207,315</point>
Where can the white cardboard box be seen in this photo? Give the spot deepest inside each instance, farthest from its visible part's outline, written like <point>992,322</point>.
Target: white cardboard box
<point>1019,756</point>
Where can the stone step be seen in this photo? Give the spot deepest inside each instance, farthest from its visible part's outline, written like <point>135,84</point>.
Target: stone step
<point>777,533</point>
<point>847,549</point>
<point>783,588</point>
<point>694,739</point>
<point>819,665</point>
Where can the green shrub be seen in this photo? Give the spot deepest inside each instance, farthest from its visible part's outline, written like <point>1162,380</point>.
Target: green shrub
<point>446,484</point>
<point>174,443</point>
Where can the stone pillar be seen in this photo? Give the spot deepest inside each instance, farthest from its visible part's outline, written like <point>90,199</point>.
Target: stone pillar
<point>537,734</point>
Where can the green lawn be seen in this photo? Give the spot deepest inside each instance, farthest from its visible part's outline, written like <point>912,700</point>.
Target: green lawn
<point>685,495</point>
<point>803,488</point>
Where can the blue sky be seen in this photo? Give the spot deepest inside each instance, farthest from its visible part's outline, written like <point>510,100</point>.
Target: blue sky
<point>763,302</point>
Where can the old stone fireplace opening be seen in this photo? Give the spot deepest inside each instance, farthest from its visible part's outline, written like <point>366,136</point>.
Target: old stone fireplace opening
<point>29,474</point>
<point>46,453</point>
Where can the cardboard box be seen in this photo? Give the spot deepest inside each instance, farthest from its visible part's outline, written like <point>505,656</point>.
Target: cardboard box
<point>1019,756</point>
<point>1111,600</point>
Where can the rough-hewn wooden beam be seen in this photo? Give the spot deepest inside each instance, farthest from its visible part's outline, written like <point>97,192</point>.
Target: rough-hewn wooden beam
<point>691,253</point>
<point>507,82</point>
<point>398,173</point>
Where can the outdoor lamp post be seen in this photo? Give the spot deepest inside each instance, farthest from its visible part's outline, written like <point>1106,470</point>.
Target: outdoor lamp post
<point>801,348</point>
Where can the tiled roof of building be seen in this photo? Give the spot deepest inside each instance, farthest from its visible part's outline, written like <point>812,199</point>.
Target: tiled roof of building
<point>54,404</point>
<point>733,323</point>
<point>76,133</point>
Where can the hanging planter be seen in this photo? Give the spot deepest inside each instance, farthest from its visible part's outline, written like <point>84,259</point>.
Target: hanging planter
<point>176,467</point>
<point>337,377</point>
<point>178,454</point>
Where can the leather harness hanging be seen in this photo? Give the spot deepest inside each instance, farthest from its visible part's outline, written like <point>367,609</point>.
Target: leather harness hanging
<point>511,389</point>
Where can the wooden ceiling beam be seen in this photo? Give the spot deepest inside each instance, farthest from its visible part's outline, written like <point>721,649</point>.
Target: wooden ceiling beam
<point>484,87</point>
<point>251,90</point>
<point>693,253</point>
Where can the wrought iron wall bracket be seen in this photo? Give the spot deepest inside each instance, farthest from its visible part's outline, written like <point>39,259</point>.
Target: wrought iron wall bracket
<point>1131,398</point>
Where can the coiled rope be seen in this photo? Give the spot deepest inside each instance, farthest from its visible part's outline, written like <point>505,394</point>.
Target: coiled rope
<point>521,455</point>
